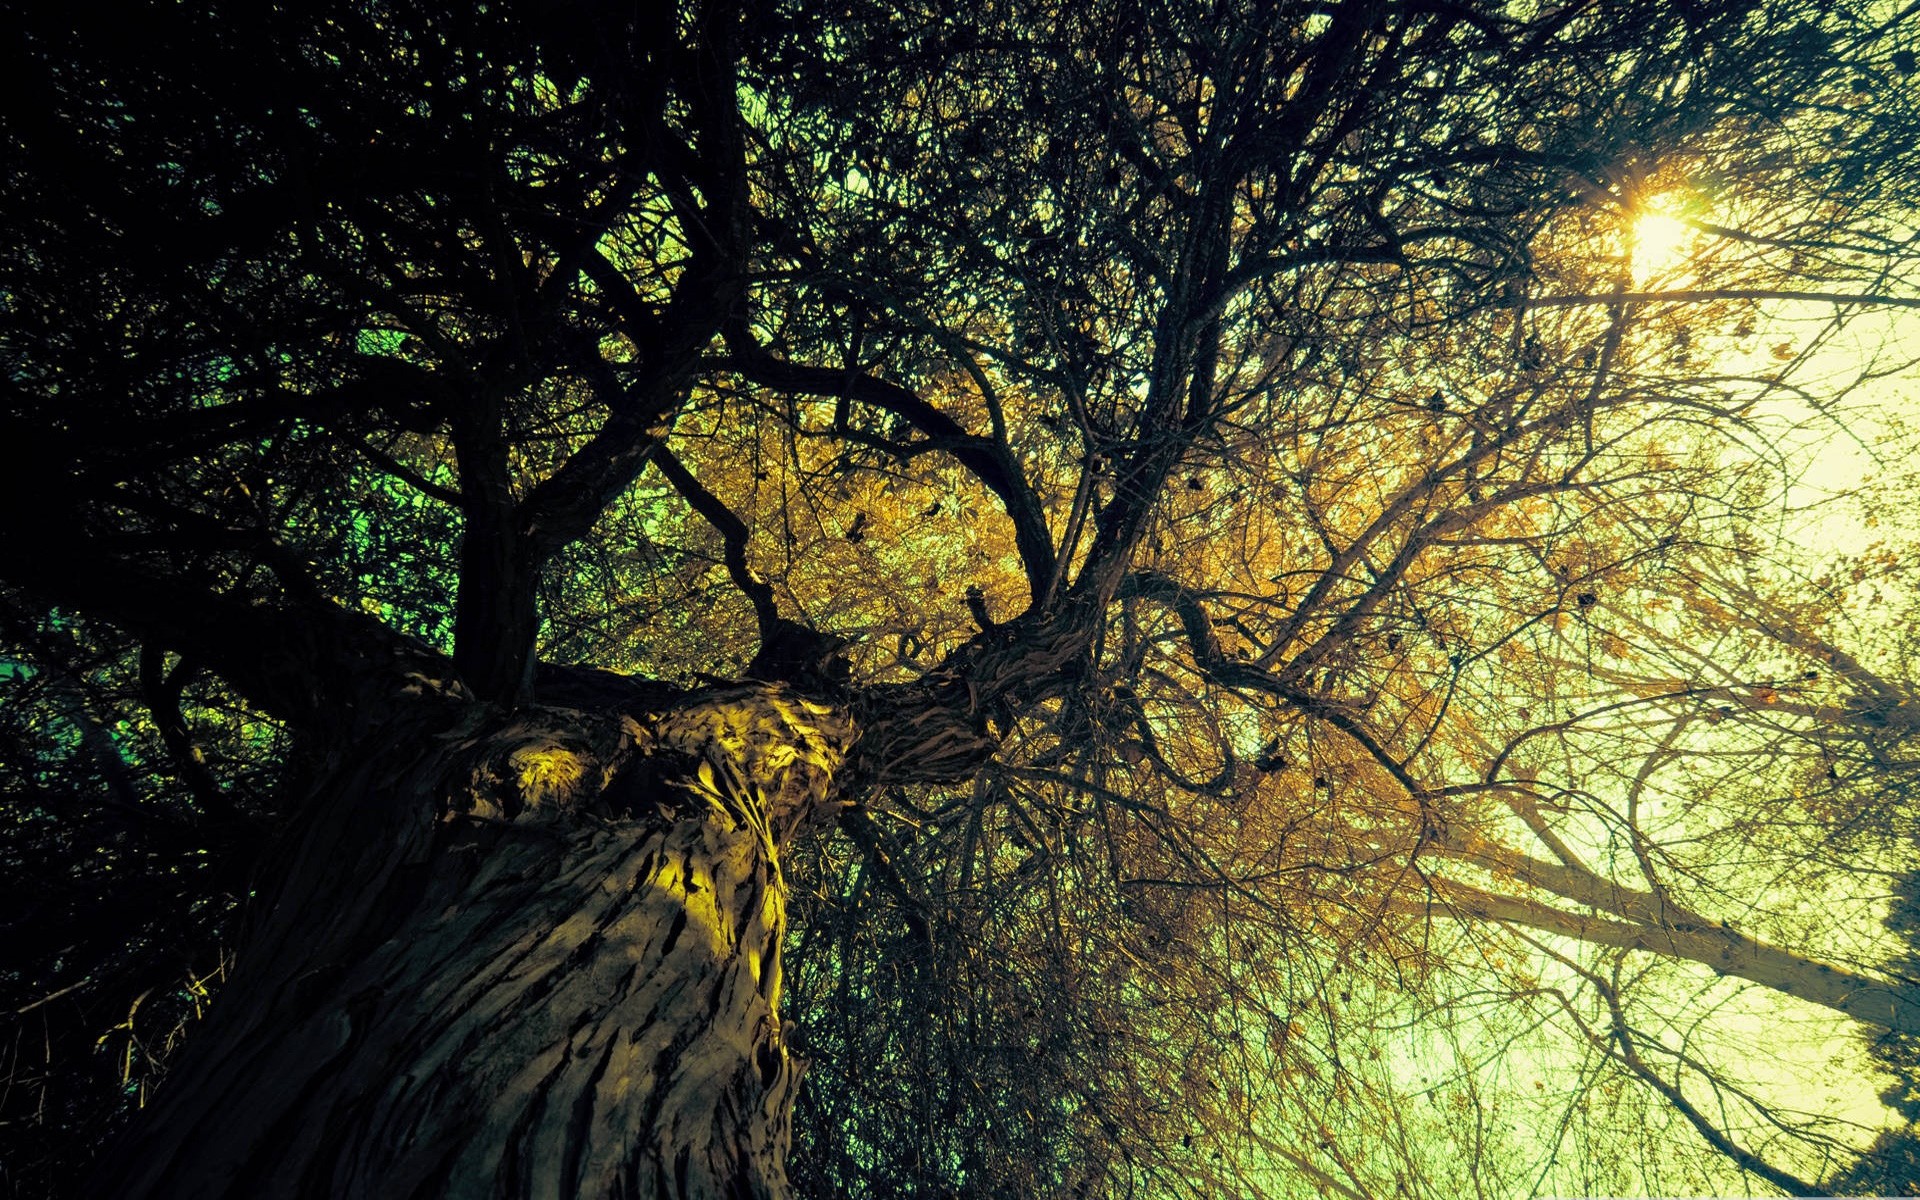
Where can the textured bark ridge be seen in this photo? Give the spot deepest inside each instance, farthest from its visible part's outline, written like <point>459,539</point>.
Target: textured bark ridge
<point>540,959</point>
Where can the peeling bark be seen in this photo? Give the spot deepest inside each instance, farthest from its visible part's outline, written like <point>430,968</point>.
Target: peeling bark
<point>539,957</point>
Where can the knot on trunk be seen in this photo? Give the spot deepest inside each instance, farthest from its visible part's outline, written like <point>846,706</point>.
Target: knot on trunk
<point>540,762</point>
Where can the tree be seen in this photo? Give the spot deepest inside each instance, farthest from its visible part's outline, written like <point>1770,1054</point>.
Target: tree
<point>1178,539</point>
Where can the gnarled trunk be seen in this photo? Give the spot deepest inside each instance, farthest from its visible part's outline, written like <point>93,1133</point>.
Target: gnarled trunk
<point>535,955</point>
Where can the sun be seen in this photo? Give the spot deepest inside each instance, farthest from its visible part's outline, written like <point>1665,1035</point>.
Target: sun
<point>1658,241</point>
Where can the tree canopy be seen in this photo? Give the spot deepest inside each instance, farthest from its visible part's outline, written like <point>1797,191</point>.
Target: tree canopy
<point>1363,550</point>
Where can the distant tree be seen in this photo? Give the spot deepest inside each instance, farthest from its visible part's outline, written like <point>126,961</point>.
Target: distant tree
<point>1891,1166</point>
<point>1121,578</point>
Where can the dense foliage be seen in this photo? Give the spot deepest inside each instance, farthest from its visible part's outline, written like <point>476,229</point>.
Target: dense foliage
<point>1326,513</point>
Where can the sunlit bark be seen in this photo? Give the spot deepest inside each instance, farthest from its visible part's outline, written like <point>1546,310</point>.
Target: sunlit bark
<point>536,956</point>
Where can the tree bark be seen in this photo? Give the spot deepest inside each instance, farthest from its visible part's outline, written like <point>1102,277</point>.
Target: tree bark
<point>532,954</point>
<point>1889,1003</point>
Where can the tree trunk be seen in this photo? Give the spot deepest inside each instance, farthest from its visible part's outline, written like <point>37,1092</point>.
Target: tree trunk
<point>534,955</point>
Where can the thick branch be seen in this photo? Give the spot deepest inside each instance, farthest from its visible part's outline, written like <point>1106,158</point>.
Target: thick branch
<point>494,618</point>
<point>1894,1006</point>
<point>161,689</point>
<point>988,459</point>
<point>733,536</point>
<point>506,544</point>
<point>403,394</point>
<point>789,651</point>
<point>945,725</point>
<point>305,660</point>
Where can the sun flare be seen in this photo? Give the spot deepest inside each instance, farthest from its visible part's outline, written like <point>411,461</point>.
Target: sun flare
<point>1658,242</point>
